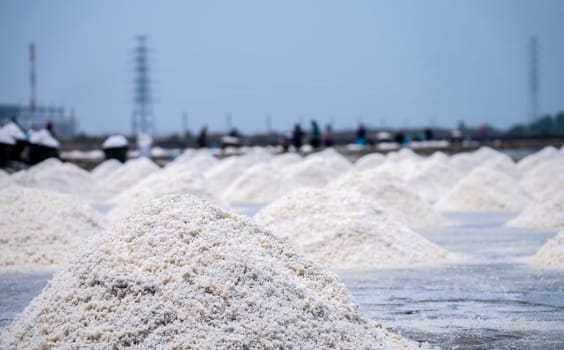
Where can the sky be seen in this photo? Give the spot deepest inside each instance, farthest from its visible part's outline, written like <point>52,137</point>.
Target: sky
<point>384,63</point>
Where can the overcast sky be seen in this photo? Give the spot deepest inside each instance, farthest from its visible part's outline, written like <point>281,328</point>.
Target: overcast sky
<point>392,63</point>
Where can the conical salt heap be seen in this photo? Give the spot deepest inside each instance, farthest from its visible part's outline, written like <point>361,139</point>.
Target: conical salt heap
<point>40,229</point>
<point>183,274</point>
<point>347,230</point>
<point>552,252</point>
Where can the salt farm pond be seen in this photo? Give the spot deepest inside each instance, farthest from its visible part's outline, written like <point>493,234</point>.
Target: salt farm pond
<point>444,250</point>
<point>492,302</point>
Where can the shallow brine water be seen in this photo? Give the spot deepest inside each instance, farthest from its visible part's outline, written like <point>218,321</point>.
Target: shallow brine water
<point>494,300</point>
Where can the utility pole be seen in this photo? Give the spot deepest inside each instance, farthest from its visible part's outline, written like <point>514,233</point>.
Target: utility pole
<point>33,84</point>
<point>228,122</point>
<point>268,124</point>
<point>534,52</point>
<point>184,123</point>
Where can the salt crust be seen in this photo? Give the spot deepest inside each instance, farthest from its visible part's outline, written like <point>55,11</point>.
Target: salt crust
<point>261,183</point>
<point>54,175</point>
<point>346,230</point>
<point>545,213</point>
<point>182,274</point>
<point>115,141</point>
<point>173,180</point>
<point>484,189</point>
<point>40,229</point>
<point>551,253</point>
<point>104,169</point>
<point>128,174</point>
<point>392,195</point>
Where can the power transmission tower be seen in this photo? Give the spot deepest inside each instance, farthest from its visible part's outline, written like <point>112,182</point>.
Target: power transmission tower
<point>143,121</point>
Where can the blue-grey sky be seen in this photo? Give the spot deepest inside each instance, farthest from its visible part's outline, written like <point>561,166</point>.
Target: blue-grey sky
<point>392,63</point>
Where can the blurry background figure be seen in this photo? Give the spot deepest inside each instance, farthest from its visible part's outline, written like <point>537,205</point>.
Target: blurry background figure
<point>428,134</point>
<point>361,135</point>
<point>400,138</point>
<point>315,138</point>
<point>286,141</point>
<point>297,136</point>
<point>455,136</point>
<point>231,140</point>
<point>49,127</point>
<point>203,137</point>
<point>328,136</point>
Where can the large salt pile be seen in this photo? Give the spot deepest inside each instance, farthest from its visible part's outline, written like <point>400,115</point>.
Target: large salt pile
<point>104,169</point>
<point>198,161</point>
<point>172,180</point>
<point>530,161</point>
<point>392,195</point>
<point>286,159</point>
<point>484,189</point>
<point>346,230</point>
<point>503,163</point>
<point>334,160</point>
<point>128,174</point>
<point>370,161</point>
<point>311,172</point>
<point>544,179</point>
<point>552,252</point>
<point>318,169</point>
<point>261,183</point>
<point>183,274</point>
<point>546,213</point>
<point>227,170</point>
<point>432,178</point>
<point>41,228</point>
<point>54,175</point>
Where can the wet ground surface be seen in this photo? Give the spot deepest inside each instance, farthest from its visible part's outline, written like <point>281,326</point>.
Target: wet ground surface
<point>493,300</point>
<point>17,289</point>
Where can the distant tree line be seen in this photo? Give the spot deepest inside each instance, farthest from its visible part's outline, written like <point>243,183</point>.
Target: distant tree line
<point>548,125</point>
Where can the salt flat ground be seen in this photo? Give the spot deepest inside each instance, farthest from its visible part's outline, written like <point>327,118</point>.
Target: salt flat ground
<point>494,300</point>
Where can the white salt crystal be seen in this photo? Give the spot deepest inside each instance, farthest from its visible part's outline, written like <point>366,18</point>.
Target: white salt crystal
<point>40,229</point>
<point>183,274</point>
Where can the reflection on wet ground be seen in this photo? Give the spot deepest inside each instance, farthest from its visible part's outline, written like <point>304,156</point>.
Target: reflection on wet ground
<point>494,300</point>
<point>16,291</point>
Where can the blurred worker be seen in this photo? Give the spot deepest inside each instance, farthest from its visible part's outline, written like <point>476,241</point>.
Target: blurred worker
<point>315,139</point>
<point>428,134</point>
<point>400,138</point>
<point>49,127</point>
<point>328,136</point>
<point>297,136</point>
<point>361,135</point>
<point>203,137</point>
<point>286,140</point>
